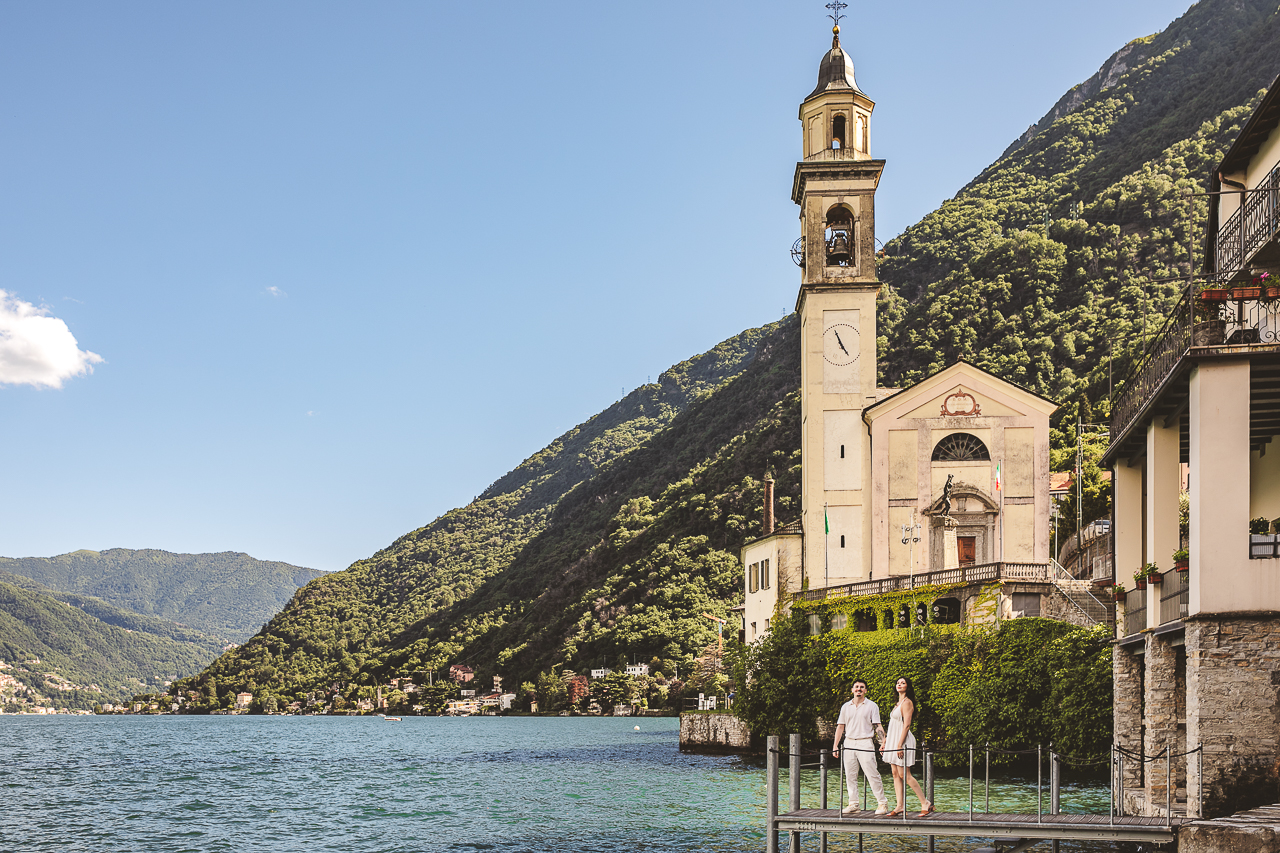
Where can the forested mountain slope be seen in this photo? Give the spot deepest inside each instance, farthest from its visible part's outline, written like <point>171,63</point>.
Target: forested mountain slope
<point>1048,269</point>
<point>228,595</point>
<point>75,651</point>
<point>983,278</point>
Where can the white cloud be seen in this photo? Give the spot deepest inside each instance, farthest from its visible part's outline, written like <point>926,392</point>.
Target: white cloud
<point>37,349</point>
<point>275,291</point>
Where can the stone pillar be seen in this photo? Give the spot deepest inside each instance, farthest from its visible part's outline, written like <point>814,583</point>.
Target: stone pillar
<point>1233,705</point>
<point>1221,576</point>
<point>1127,532</point>
<point>1126,708</point>
<point>950,548</point>
<point>1163,483</point>
<point>1160,718</point>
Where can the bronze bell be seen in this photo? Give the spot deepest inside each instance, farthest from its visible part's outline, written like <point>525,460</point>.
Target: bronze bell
<point>838,248</point>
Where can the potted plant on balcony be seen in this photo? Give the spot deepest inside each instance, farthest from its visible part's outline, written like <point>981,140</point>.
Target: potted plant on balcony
<point>1140,578</point>
<point>1154,577</point>
<point>1117,592</point>
<point>1210,328</point>
<point>1213,294</point>
<point>1270,287</point>
<point>1246,291</point>
<point>1182,560</point>
<point>1259,526</point>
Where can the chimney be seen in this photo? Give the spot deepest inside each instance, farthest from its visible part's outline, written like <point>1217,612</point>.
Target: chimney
<point>768,504</point>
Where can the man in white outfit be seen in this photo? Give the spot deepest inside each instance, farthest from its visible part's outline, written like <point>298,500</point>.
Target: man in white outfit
<point>856,729</point>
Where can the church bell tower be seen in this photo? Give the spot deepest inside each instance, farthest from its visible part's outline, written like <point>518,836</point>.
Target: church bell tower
<point>835,186</point>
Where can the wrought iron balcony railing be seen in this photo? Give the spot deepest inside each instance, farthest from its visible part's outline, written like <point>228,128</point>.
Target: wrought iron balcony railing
<point>1251,227</point>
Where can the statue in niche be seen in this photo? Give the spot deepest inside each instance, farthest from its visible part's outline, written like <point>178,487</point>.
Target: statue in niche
<point>946,496</point>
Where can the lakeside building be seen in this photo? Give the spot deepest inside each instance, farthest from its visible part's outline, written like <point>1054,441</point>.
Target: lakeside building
<point>1197,656</point>
<point>944,482</point>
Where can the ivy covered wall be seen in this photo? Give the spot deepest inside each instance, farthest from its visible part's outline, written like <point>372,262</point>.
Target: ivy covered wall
<point>1028,681</point>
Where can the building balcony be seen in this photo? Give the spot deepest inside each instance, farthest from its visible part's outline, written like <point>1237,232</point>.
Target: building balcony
<point>1249,236</point>
<point>1245,324</point>
<point>982,573</point>
<point>1174,596</point>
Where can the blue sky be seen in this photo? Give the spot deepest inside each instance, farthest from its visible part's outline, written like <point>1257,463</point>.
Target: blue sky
<point>296,278</point>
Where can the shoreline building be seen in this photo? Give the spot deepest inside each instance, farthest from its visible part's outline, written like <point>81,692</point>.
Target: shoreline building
<point>1197,654</point>
<point>943,482</point>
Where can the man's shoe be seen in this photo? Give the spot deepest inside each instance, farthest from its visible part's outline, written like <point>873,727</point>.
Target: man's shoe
<point>884,809</point>
<point>850,809</point>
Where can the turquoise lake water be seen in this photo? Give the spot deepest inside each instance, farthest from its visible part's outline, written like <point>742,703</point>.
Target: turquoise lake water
<point>425,784</point>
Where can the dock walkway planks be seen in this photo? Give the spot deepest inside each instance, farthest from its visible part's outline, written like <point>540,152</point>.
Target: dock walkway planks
<point>984,825</point>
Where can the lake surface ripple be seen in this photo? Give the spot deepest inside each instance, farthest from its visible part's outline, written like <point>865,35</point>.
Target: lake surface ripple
<point>564,785</point>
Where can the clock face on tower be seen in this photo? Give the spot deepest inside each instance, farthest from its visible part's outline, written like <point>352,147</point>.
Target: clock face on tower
<point>840,344</point>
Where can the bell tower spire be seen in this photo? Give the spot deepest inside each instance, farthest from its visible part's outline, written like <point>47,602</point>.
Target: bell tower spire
<point>835,185</point>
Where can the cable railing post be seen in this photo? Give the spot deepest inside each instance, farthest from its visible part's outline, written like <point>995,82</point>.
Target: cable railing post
<point>1055,782</point>
<point>1168,785</point>
<point>970,783</point>
<point>771,774</point>
<point>839,752</point>
<point>793,777</point>
<point>822,792</point>
<point>1039,785</point>
<point>1112,821</point>
<point>986,785</point>
<point>1055,787</point>
<point>1120,801</point>
<point>928,787</point>
<point>1200,783</point>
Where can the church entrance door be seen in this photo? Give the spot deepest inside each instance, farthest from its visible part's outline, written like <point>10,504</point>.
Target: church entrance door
<point>965,545</point>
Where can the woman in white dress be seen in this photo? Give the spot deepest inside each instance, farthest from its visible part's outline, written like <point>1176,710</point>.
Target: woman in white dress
<point>900,748</point>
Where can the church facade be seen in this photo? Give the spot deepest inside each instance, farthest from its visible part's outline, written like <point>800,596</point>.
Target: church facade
<point>877,461</point>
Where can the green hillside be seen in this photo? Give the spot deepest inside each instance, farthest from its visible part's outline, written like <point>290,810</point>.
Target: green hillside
<point>1048,269</point>
<point>227,595</point>
<point>68,657</point>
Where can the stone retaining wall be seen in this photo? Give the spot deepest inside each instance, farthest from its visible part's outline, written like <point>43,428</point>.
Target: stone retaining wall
<point>1233,709</point>
<point>719,731</point>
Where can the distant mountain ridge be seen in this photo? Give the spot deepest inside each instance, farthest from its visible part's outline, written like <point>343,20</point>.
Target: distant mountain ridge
<point>71,651</point>
<point>229,595</point>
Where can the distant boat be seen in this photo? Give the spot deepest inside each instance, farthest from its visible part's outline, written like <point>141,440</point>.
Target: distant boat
<point>392,719</point>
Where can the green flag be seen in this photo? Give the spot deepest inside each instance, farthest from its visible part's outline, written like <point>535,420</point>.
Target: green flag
<point>826,522</point>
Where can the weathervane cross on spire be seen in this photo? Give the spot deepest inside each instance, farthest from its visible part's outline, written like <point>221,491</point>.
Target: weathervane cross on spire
<point>836,7</point>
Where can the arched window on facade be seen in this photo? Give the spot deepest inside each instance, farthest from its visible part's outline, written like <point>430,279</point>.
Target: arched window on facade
<point>837,132</point>
<point>961,447</point>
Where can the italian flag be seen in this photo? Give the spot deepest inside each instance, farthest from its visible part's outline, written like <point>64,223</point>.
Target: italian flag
<point>997,476</point>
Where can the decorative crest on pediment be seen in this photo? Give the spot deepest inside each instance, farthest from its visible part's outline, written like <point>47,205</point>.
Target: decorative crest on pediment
<point>960,404</point>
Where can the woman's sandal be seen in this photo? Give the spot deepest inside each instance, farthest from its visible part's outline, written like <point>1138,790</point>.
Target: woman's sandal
<point>894,813</point>
<point>927,810</point>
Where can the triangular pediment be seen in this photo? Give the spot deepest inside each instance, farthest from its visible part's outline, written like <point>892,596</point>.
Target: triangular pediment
<point>961,391</point>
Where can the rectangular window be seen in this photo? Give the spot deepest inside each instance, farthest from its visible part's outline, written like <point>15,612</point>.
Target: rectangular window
<point>753,630</point>
<point>764,574</point>
<point>815,624</point>
<point>841,541</point>
<point>752,582</point>
<point>1026,604</point>
<point>842,451</point>
<point>839,621</point>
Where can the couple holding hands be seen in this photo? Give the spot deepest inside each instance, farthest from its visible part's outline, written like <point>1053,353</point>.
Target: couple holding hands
<point>856,729</point>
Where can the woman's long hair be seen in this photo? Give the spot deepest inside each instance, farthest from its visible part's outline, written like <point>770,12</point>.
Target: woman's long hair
<point>910,692</point>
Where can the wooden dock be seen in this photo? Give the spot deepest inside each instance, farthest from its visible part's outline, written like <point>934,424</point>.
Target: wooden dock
<point>1023,830</point>
<point>984,825</point>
